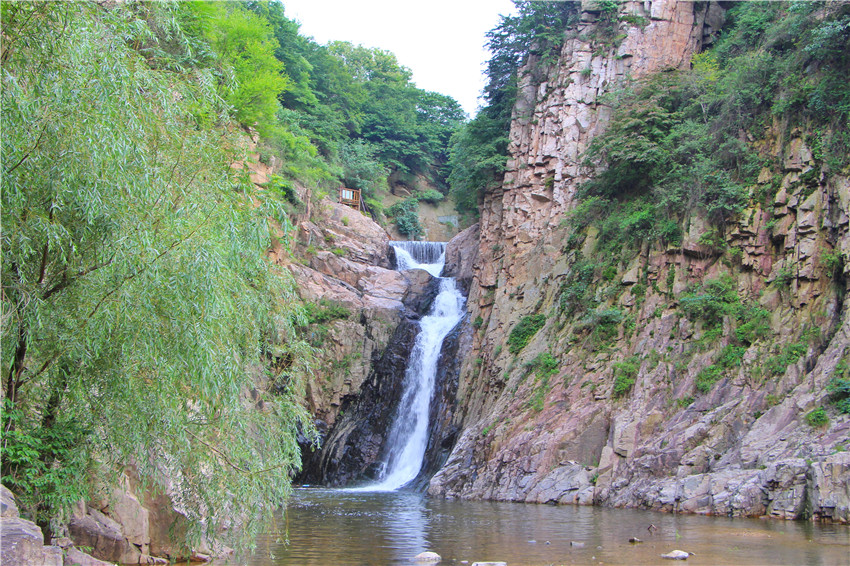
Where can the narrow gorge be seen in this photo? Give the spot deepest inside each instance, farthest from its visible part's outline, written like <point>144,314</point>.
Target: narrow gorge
<point>249,279</point>
<point>629,402</point>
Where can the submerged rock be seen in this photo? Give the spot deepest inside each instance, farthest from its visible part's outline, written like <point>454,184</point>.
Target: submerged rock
<point>677,555</point>
<point>427,557</point>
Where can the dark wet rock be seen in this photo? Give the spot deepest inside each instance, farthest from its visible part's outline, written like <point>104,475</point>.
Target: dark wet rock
<point>353,447</point>
<point>421,291</point>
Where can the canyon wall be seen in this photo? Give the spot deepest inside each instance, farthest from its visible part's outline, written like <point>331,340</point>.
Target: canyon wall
<point>561,433</point>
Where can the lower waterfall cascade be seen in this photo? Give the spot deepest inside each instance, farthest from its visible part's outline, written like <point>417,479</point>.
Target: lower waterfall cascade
<point>408,435</point>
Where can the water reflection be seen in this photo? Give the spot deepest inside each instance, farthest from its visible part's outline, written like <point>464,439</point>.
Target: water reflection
<point>337,527</point>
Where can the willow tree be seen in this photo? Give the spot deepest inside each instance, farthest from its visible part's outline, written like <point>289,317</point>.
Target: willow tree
<point>138,306</point>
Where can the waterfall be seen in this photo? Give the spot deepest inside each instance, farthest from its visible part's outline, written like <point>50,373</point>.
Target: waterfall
<point>408,435</point>
<point>430,256</point>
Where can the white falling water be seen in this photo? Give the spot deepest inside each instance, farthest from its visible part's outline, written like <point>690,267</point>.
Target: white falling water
<point>408,437</point>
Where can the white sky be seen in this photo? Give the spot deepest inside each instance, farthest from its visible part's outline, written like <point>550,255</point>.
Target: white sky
<point>441,41</point>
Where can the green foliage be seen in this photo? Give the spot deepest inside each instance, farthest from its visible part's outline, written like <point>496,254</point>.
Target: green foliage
<point>677,137</point>
<point>325,311</point>
<point>522,333</point>
<point>361,167</point>
<point>431,196</point>
<point>625,374</point>
<point>252,77</point>
<point>833,262</point>
<point>790,354</point>
<point>134,273</point>
<point>602,324</point>
<point>839,387</point>
<point>817,417</point>
<point>753,324</point>
<point>731,356</point>
<point>477,322</point>
<point>351,114</point>
<point>284,189</point>
<point>792,60</point>
<point>406,216</point>
<point>713,300</point>
<point>44,466</point>
<point>477,159</point>
<point>409,127</point>
<point>544,365</point>
<point>707,377</point>
<point>657,146</point>
<point>574,291</point>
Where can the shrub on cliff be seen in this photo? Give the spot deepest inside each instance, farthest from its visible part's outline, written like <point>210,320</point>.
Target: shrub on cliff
<point>711,301</point>
<point>625,374</point>
<point>839,387</point>
<point>524,331</point>
<point>406,216</point>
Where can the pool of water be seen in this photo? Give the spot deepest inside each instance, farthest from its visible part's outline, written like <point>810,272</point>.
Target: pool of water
<point>336,527</point>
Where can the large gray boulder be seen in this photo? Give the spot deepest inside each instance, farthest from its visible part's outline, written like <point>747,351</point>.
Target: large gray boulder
<point>21,541</point>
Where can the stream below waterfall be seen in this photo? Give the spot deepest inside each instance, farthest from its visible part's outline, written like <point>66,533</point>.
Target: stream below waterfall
<point>341,527</point>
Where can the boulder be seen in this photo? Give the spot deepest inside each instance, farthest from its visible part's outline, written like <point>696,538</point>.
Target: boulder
<point>126,509</point>
<point>21,541</point>
<point>461,256</point>
<point>829,488</point>
<point>427,557</point>
<point>8,508</point>
<point>91,528</point>
<point>75,557</point>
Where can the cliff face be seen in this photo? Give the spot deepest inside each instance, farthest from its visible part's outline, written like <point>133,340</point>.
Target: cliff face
<point>559,431</point>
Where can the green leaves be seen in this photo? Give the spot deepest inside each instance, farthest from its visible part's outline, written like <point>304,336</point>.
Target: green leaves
<point>524,331</point>
<point>138,302</point>
<point>406,216</point>
<point>45,467</point>
<point>625,374</point>
<point>246,46</point>
<point>711,302</point>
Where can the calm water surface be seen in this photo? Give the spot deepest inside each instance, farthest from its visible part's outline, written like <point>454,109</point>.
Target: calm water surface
<point>332,527</point>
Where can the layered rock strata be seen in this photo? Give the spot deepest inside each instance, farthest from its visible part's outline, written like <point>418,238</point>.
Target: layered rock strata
<point>744,447</point>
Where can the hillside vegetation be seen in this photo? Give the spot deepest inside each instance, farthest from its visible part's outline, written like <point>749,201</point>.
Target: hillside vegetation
<point>139,306</point>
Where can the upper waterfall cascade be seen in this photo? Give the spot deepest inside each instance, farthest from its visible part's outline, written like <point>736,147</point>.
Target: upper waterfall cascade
<point>408,436</point>
<point>430,256</point>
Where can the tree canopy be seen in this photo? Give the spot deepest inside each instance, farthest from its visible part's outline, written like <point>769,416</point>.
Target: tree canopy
<point>138,304</point>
